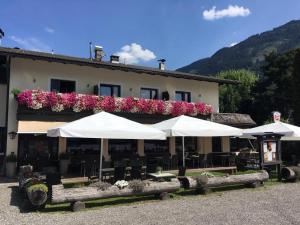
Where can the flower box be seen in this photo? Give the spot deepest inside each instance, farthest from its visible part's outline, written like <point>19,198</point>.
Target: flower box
<point>62,102</point>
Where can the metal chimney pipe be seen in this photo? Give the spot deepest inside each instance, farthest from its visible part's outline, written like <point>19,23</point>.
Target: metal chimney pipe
<point>91,51</point>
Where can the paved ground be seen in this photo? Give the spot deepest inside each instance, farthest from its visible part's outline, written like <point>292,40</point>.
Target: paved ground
<point>278,204</point>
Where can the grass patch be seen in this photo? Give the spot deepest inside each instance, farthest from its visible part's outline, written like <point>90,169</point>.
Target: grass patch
<point>139,199</point>
<point>194,174</point>
<point>77,184</point>
<point>101,203</point>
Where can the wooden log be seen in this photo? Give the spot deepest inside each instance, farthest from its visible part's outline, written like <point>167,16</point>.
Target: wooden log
<point>245,179</point>
<point>291,173</point>
<point>60,194</point>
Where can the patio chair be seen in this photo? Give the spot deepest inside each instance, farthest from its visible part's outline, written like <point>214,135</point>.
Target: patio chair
<point>166,162</point>
<point>231,160</point>
<point>181,171</point>
<point>119,173</point>
<point>135,172</point>
<point>174,162</point>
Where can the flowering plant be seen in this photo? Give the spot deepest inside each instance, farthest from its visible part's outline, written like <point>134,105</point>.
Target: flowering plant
<point>38,99</point>
<point>121,184</point>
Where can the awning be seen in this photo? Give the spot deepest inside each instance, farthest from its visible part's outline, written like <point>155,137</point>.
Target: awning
<point>37,127</point>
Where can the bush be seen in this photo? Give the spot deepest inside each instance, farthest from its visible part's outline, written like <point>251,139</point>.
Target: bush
<point>101,185</point>
<point>15,92</point>
<point>137,185</point>
<point>64,156</point>
<point>35,187</point>
<point>158,169</point>
<point>11,158</point>
<point>201,181</point>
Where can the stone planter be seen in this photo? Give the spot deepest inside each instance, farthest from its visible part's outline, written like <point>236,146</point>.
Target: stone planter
<point>11,169</point>
<point>63,166</point>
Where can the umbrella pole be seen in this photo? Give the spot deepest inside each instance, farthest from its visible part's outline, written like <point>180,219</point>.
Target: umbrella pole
<point>183,155</point>
<point>100,166</point>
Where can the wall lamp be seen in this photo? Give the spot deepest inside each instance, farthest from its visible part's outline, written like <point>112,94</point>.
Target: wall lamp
<point>12,135</point>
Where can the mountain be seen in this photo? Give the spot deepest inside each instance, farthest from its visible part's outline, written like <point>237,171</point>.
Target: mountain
<point>250,53</point>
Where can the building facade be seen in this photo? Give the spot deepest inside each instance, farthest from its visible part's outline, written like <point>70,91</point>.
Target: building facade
<point>26,70</point>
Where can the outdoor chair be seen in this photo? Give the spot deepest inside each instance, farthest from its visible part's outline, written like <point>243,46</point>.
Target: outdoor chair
<point>231,160</point>
<point>174,162</point>
<point>119,173</point>
<point>181,171</point>
<point>82,168</point>
<point>166,162</point>
<point>135,172</point>
<point>207,160</point>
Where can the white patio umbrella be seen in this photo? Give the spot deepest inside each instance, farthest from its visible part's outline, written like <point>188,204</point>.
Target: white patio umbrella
<point>189,126</point>
<point>289,132</point>
<point>104,125</point>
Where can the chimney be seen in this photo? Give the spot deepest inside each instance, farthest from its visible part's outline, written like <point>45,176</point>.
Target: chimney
<point>114,59</point>
<point>161,64</point>
<point>99,53</point>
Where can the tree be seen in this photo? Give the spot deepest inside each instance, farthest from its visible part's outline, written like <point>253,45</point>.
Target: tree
<point>274,91</point>
<point>237,98</point>
<point>296,87</point>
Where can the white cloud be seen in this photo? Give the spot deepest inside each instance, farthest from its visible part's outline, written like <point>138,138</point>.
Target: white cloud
<point>134,53</point>
<point>232,44</point>
<point>49,30</point>
<point>32,44</point>
<point>231,11</point>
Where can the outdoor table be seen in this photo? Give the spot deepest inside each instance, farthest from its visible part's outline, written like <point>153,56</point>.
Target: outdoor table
<point>164,176</point>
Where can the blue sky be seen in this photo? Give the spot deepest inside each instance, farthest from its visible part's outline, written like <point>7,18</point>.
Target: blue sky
<point>141,31</point>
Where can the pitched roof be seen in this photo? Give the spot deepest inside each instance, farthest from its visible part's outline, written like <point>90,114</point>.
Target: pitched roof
<point>233,119</point>
<point>20,53</point>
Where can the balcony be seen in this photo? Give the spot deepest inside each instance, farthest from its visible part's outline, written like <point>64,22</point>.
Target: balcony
<point>43,105</point>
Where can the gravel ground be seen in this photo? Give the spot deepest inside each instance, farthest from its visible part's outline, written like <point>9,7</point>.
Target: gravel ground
<point>278,204</point>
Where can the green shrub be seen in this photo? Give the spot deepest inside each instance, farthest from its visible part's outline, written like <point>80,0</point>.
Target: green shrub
<point>64,156</point>
<point>158,169</point>
<point>201,181</point>
<point>11,158</point>
<point>36,187</point>
<point>15,92</point>
<point>101,185</point>
<point>137,185</point>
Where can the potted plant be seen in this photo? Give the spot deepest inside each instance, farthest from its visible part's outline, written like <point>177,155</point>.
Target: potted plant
<point>15,92</point>
<point>158,170</point>
<point>64,162</point>
<point>11,165</point>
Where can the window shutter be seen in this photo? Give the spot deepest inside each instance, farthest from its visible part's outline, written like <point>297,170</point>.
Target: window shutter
<point>96,90</point>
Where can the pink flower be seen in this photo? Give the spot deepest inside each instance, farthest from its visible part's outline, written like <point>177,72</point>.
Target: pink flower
<point>108,103</point>
<point>25,98</point>
<point>127,104</point>
<point>178,108</point>
<point>37,99</point>
<point>189,108</point>
<point>143,105</point>
<point>200,107</point>
<point>68,100</point>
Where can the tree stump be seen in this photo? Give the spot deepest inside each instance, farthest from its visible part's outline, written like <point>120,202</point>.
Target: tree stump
<point>164,196</point>
<point>77,206</point>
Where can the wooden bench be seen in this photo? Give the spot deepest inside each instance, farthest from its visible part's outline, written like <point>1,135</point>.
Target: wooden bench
<point>227,169</point>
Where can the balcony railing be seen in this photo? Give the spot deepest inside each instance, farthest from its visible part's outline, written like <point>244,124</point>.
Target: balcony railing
<point>58,102</point>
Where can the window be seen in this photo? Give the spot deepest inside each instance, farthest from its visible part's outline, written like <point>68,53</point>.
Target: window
<point>149,93</point>
<point>63,86</point>
<point>183,96</point>
<point>110,90</point>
